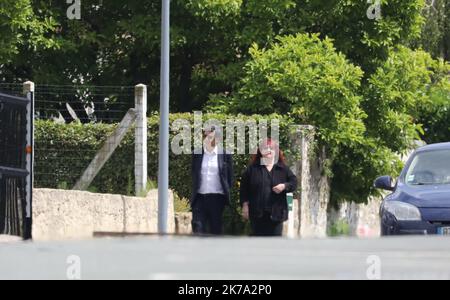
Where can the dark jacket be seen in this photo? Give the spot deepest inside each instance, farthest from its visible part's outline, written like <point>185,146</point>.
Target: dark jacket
<point>225,172</point>
<point>251,190</point>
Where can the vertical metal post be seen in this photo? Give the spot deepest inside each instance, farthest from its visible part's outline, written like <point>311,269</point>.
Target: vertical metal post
<point>163,175</point>
<point>29,89</point>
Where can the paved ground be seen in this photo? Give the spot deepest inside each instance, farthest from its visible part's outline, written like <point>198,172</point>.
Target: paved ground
<point>8,239</point>
<point>228,258</point>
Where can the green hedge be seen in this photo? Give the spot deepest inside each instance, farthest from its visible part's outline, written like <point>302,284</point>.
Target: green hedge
<point>63,151</point>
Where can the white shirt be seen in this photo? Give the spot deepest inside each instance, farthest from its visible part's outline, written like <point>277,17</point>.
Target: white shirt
<point>210,181</point>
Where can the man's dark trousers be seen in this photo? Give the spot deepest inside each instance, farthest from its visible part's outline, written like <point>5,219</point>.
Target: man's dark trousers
<point>207,214</point>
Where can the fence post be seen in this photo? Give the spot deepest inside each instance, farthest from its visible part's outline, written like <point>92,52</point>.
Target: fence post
<point>313,183</point>
<point>140,151</point>
<point>29,90</point>
<point>105,153</point>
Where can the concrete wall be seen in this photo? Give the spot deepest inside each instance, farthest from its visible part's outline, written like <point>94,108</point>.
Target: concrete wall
<point>183,223</point>
<point>62,215</point>
<point>363,219</point>
<point>292,226</point>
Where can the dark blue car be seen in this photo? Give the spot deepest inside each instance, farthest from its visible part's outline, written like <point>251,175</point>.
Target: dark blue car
<point>420,200</point>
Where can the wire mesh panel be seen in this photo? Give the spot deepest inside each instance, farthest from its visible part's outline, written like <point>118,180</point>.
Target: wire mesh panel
<point>73,123</point>
<point>87,104</point>
<point>83,117</point>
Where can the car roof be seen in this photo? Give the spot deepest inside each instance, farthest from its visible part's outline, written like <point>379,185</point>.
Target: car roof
<point>432,147</point>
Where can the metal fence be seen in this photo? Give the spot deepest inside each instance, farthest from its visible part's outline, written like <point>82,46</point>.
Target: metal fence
<point>15,165</point>
<point>61,163</point>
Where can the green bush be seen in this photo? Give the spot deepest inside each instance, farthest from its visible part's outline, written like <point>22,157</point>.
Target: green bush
<point>339,228</point>
<point>436,118</point>
<point>63,151</point>
<point>393,95</point>
<point>435,114</point>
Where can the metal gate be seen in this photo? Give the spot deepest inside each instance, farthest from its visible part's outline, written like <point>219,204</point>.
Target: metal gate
<point>16,161</point>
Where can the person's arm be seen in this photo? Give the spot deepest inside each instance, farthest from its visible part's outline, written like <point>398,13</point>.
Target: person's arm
<point>245,194</point>
<point>291,185</point>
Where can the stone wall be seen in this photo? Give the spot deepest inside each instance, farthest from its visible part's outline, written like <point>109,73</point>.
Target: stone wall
<point>62,215</point>
<point>183,223</point>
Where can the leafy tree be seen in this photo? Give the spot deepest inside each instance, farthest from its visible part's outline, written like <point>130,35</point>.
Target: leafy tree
<point>365,41</point>
<point>393,93</point>
<point>22,29</point>
<point>435,114</point>
<point>435,36</point>
<point>364,127</point>
<point>117,42</point>
<point>401,93</point>
<point>306,78</point>
<point>436,118</point>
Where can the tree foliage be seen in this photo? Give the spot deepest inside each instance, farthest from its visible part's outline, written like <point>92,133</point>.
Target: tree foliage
<point>364,124</point>
<point>117,42</point>
<point>321,62</point>
<point>22,29</point>
<point>435,36</point>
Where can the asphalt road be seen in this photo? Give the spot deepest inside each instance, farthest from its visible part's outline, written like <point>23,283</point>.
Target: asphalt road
<point>228,258</point>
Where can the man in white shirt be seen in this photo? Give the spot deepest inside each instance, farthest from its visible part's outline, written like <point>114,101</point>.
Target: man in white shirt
<point>212,177</point>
